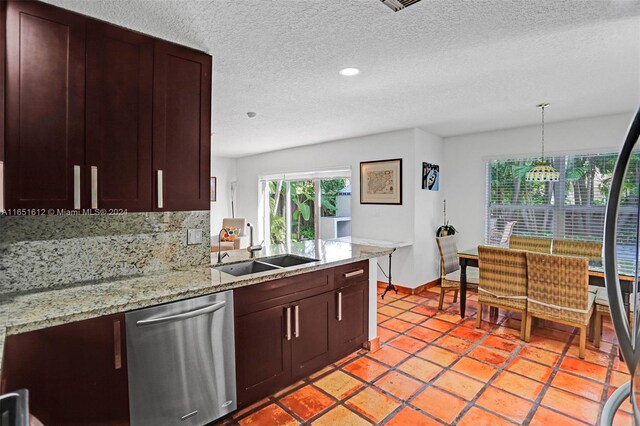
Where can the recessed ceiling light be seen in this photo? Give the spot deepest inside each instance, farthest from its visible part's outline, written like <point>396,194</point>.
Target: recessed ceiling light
<point>349,72</point>
<point>251,114</point>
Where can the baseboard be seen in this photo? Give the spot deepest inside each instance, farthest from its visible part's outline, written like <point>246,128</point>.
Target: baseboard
<point>408,290</point>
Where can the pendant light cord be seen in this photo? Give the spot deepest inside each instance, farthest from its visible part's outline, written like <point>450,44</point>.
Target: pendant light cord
<point>543,107</point>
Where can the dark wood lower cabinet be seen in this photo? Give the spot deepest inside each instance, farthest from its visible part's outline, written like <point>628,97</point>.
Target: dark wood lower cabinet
<point>292,337</point>
<point>76,373</point>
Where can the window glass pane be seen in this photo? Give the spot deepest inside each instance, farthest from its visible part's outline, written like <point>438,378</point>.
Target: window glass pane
<point>277,211</point>
<point>336,208</point>
<point>302,210</point>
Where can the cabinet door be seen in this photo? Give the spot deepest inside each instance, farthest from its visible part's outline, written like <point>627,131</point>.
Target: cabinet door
<point>45,85</point>
<point>263,354</point>
<point>311,320</point>
<point>181,128</point>
<point>119,106</point>
<point>351,322</point>
<point>76,373</point>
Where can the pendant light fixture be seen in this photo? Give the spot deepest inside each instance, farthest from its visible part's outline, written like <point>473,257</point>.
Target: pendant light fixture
<point>543,171</point>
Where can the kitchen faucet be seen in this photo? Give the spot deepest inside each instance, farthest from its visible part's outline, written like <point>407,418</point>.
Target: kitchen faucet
<point>252,249</point>
<point>221,256</point>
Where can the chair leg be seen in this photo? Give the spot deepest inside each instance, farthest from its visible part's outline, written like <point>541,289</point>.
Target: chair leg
<point>527,331</point>
<point>523,326</point>
<point>583,341</point>
<point>479,316</point>
<point>441,299</point>
<point>598,329</point>
<point>455,296</point>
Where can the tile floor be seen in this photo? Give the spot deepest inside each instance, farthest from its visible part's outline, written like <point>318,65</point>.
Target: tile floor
<point>433,368</point>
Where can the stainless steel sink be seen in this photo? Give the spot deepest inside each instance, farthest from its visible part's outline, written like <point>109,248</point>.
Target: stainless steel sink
<point>287,260</point>
<point>245,268</point>
<point>263,265</point>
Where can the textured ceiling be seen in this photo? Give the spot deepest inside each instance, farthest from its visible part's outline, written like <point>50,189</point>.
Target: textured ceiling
<point>447,66</point>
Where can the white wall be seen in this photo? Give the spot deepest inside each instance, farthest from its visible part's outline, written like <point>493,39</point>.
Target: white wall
<point>224,169</point>
<point>382,222</point>
<point>463,175</point>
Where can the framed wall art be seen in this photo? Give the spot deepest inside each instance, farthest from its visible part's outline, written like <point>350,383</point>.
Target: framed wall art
<point>381,182</point>
<point>430,176</point>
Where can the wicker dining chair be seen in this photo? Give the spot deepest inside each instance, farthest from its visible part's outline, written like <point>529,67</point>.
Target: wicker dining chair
<point>558,290</point>
<point>539,245</point>
<point>450,269</point>
<point>589,249</point>
<point>602,310</point>
<point>503,281</point>
<point>506,233</point>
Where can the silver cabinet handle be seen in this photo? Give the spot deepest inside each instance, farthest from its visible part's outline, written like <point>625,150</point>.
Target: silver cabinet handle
<point>117,346</point>
<point>354,273</point>
<point>1,186</point>
<point>76,187</point>
<point>94,187</point>
<point>296,314</point>
<point>339,306</point>
<point>160,190</point>
<point>288,332</point>
<point>184,315</point>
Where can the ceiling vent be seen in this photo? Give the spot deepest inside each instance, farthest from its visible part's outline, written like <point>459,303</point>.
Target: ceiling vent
<point>397,5</point>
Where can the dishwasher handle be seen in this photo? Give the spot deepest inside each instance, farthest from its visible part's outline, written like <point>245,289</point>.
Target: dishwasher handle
<point>182,316</point>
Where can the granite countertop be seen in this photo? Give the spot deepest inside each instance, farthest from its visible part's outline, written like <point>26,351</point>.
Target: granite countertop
<point>29,311</point>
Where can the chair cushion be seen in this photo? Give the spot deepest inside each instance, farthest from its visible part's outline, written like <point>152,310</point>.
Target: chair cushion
<point>473,275</point>
<point>601,297</point>
<point>594,288</point>
<point>230,234</point>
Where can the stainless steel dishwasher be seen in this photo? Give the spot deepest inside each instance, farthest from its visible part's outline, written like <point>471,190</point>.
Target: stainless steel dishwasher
<point>181,359</point>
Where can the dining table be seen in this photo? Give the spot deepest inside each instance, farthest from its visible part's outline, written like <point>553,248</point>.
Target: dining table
<point>626,274</point>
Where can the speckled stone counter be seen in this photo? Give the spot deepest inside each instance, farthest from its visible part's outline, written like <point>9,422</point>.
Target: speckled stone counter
<point>23,312</point>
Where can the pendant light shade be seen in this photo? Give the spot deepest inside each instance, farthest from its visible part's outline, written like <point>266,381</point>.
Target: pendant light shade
<point>543,171</point>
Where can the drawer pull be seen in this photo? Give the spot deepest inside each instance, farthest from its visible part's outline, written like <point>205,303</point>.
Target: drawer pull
<point>94,187</point>
<point>1,186</point>
<point>353,273</point>
<point>160,191</point>
<point>288,332</point>
<point>76,187</point>
<point>117,346</point>
<point>340,306</point>
<point>296,314</point>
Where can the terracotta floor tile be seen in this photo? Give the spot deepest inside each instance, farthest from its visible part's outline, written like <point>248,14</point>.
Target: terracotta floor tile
<point>518,385</point>
<point>420,369</point>
<point>346,359</point>
<point>507,333</point>
<point>269,415</point>
<point>425,310</point>
<point>583,368</point>
<point>407,344</point>
<point>289,388</point>
<point>539,355</point>
<point>397,325</point>
<point>592,354</point>
<point>475,369</point>
<point>412,317</point>
<point>454,344</point>
<point>618,379</point>
<point>402,304</point>
<point>415,298</point>
<point>321,372</point>
<point>436,324</point>
<point>253,407</point>
<point>574,384</point>
<point>496,342</point>
<point>373,404</point>
<point>365,368</point>
<point>505,404</point>
<point>340,416</point>
<point>622,419</point>
<point>408,416</point>
<point>546,417</point>
<point>492,356</point>
<point>424,334</point>
<point>439,404</point>
<point>459,385</point>
<point>530,369</point>
<point>478,417</point>
<point>385,334</point>
<point>389,355</point>
<point>306,402</point>
<point>549,344</point>
<point>450,317</point>
<point>381,318</point>
<point>390,311</point>
<point>338,384</point>
<point>472,335</point>
<point>398,385</point>
<point>438,355</point>
<point>572,405</point>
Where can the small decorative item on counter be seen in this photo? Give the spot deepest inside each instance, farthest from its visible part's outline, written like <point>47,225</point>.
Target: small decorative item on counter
<point>230,234</point>
<point>445,229</point>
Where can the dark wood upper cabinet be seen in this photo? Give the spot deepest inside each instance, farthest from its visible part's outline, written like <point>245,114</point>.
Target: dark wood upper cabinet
<point>45,88</point>
<point>181,127</point>
<point>119,120</point>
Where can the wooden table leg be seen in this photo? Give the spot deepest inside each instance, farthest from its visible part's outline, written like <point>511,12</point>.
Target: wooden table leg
<point>463,286</point>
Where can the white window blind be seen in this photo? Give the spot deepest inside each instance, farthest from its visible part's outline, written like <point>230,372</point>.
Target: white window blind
<point>572,208</point>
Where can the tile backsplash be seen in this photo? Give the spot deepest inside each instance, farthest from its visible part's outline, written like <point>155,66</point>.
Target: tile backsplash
<point>46,251</point>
